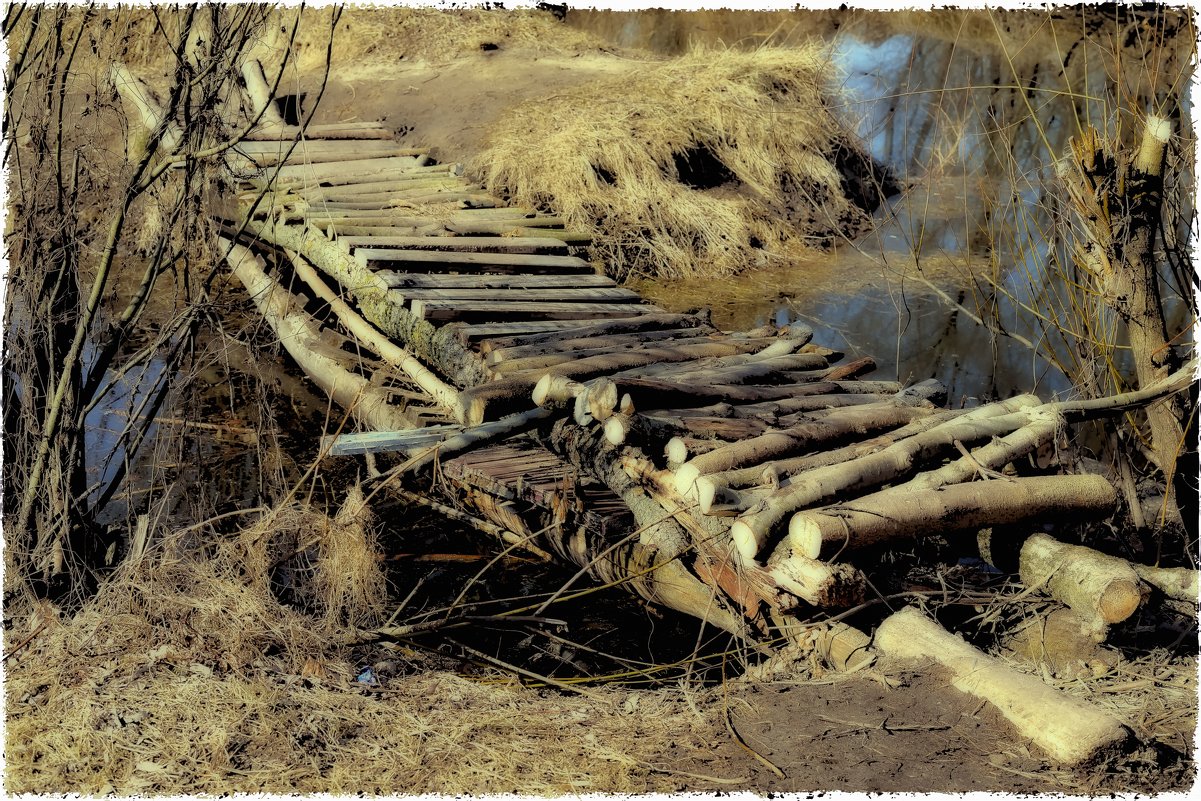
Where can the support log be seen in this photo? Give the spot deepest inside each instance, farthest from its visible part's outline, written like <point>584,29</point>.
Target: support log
<point>1101,589</point>
<point>752,530</point>
<point>367,402</point>
<point>902,513</point>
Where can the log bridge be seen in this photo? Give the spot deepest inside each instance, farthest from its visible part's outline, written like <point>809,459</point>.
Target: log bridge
<point>744,478</point>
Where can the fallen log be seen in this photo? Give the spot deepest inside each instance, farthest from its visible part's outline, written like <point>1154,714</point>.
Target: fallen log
<point>648,559</point>
<point>388,350</point>
<point>366,402</point>
<point>840,424</point>
<point>1101,589</point>
<point>440,348</point>
<point>1068,730</point>
<point>902,512</point>
<point>752,530</point>
<point>1179,583</point>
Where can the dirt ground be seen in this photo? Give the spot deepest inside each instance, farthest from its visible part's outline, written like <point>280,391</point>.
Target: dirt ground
<point>137,704</point>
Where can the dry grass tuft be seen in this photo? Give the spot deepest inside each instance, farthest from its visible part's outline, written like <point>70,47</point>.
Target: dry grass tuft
<point>696,165</point>
<point>186,675</point>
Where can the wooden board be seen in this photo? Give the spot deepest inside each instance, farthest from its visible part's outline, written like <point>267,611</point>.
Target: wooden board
<point>343,171</point>
<point>507,244</point>
<point>267,153</point>
<point>446,311</point>
<point>393,190</point>
<point>335,130</point>
<point>522,229</point>
<point>521,294</point>
<point>367,256</point>
<point>479,331</point>
<point>490,280</point>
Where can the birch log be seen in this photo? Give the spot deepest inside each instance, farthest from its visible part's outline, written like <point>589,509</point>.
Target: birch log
<point>365,401</point>
<point>1068,730</point>
<point>1101,589</point>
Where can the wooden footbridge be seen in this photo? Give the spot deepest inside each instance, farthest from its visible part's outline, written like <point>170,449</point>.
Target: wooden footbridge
<point>745,478</point>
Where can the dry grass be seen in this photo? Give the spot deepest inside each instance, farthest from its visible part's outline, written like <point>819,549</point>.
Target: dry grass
<point>376,37</point>
<point>700,164</point>
<point>187,675</point>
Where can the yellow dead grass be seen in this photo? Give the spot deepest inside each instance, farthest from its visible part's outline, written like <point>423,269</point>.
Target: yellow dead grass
<point>187,675</point>
<point>694,165</point>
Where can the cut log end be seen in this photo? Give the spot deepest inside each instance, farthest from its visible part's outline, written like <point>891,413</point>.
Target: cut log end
<point>686,474</point>
<point>552,388</point>
<point>746,540</point>
<point>1119,600</point>
<point>602,398</point>
<point>617,428</point>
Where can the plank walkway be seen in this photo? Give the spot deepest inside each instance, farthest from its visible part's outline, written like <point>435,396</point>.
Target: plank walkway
<point>730,433</point>
<point>741,477</point>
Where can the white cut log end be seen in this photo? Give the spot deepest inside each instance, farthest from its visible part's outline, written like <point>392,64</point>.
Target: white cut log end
<point>1155,139</point>
<point>617,428</point>
<point>804,536</point>
<point>746,541</point>
<point>706,490</point>
<point>1068,730</point>
<point>552,388</point>
<point>602,398</point>
<point>819,583</point>
<point>686,474</point>
<point>627,405</point>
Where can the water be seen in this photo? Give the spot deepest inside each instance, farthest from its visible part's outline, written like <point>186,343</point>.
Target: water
<point>974,228</point>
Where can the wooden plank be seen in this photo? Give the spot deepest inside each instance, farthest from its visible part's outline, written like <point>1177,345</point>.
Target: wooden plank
<point>522,226</point>
<point>450,193</point>
<point>342,171</point>
<point>300,180</point>
<point>558,295</point>
<point>483,330</point>
<point>445,311</point>
<point>267,154</point>
<point>398,216</point>
<point>467,195</point>
<point>508,244</point>
<point>607,328</point>
<point>497,355</point>
<point>390,190</point>
<point>334,130</point>
<point>490,280</point>
<point>409,179</point>
<point>367,256</point>
<point>338,230</point>
<point>571,237</point>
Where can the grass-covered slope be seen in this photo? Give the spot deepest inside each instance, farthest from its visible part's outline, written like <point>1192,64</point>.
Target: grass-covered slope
<point>693,165</point>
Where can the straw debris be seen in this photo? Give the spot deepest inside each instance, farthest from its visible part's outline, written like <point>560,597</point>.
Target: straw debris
<point>697,165</point>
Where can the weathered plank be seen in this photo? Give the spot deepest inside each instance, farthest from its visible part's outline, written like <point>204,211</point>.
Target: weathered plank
<point>343,171</point>
<point>479,331</point>
<point>491,280</point>
<point>507,244</point>
<point>267,153</point>
<point>445,311</point>
<point>612,294</point>
<point>569,236</point>
<point>367,256</point>
<point>335,130</point>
